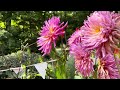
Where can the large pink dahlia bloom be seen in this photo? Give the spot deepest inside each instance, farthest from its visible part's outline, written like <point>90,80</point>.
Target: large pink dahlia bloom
<point>107,68</point>
<point>101,32</point>
<point>83,63</point>
<point>50,33</point>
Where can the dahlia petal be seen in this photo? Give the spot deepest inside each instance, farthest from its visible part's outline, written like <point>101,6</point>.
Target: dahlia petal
<point>103,52</point>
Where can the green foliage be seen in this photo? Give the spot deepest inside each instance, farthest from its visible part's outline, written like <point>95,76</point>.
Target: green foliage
<point>16,59</point>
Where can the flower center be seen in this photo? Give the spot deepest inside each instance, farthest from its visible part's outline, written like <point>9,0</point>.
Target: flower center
<point>96,30</point>
<point>51,29</point>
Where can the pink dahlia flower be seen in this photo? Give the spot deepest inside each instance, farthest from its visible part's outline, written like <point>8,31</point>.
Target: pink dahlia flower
<point>50,33</point>
<point>101,32</point>
<point>83,63</point>
<point>107,68</point>
<point>75,37</point>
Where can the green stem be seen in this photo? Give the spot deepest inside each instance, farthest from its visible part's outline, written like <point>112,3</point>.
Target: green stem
<point>55,53</point>
<point>64,50</point>
<point>64,59</point>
